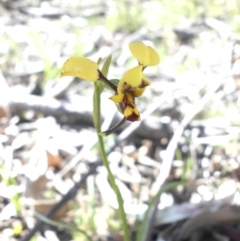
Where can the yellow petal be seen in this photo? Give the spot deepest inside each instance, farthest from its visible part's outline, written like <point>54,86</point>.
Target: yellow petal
<point>130,80</point>
<point>80,67</point>
<point>117,98</point>
<point>145,82</point>
<point>154,58</point>
<point>138,92</point>
<point>129,100</point>
<point>145,55</point>
<point>131,114</point>
<point>128,111</point>
<point>140,51</point>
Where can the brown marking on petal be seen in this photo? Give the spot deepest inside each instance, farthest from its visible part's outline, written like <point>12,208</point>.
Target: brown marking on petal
<point>143,84</point>
<point>127,88</point>
<point>130,105</point>
<point>126,101</point>
<point>133,117</point>
<point>122,106</point>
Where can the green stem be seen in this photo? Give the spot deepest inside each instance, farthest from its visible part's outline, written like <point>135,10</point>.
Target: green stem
<point>97,123</point>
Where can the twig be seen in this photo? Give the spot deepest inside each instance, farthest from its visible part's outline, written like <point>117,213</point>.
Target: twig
<point>70,194</point>
<point>76,159</point>
<point>82,114</point>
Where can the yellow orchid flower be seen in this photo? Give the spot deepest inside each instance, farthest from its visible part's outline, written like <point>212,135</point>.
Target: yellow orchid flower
<point>127,104</point>
<point>132,84</point>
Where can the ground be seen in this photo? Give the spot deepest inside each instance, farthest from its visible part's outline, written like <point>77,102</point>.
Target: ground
<point>186,144</point>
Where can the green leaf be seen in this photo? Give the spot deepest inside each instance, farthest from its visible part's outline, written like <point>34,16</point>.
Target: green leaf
<point>99,61</point>
<point>106,65</point>
<point>114,81</point>
<point>104,71</point>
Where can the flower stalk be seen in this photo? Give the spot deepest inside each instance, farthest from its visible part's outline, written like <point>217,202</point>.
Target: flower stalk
<point>97,122</point>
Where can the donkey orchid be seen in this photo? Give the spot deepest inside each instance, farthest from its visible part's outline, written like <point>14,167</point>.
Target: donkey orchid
<point>132,84</point>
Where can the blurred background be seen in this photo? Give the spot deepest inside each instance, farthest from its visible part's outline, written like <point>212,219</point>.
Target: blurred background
<point>49,160</point>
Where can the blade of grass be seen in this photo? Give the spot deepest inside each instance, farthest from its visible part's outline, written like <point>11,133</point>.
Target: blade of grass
<point>143,231</point>
<point>61,225</point>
